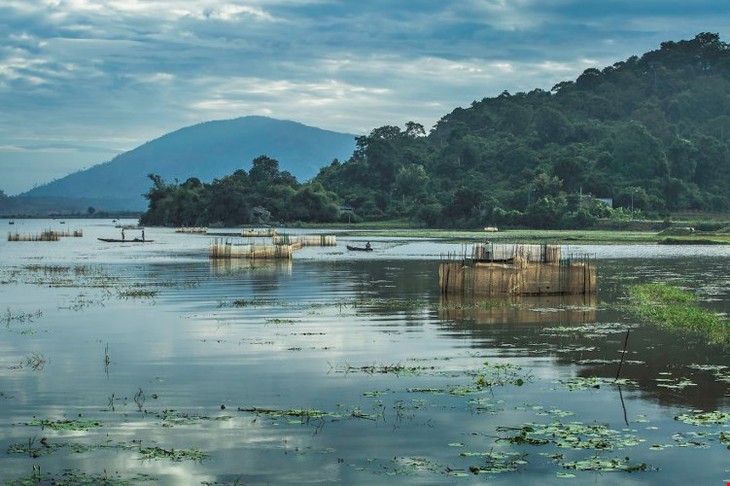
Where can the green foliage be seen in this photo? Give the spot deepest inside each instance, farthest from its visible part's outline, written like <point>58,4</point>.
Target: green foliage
<point>651,133</point>
<point>677,309</point>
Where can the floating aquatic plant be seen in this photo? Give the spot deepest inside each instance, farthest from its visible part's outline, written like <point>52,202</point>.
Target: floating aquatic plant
<point>176,455</point>
<point>704,418</point>
<point>572,435</point>
<point>71,477</point>
<point>77,424</point>
<point>677,309</point>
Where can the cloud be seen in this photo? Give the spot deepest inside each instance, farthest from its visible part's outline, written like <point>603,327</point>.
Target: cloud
<point>118,73</point>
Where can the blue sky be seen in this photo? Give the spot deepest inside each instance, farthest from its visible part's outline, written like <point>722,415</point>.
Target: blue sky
<point>83,80</point>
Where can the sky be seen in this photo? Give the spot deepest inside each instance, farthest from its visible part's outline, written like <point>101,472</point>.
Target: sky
<point>84,80</point>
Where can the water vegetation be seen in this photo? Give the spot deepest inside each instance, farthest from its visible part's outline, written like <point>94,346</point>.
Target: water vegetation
<point>611,146</point>
<point>677,309</point>
<point>176,455</point>
<point>18,316</point>
<point>77,424</point>
<point>73,477</point>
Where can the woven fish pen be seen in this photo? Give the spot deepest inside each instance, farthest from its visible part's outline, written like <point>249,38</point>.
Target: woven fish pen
<point>258,232</point>
<point>514,270</point>
<point>505,252</point>
<point>227,248</point>
<point>47,235</point>
<point>306,240</point>
<point>70,233</point>
<point>192,229</point>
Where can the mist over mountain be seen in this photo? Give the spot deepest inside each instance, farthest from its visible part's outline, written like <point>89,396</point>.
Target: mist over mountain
<point>208,150</point>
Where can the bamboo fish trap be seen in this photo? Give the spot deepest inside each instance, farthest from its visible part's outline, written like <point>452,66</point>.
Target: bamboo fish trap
<point>306,240</point>
<point>227,248</point>
<point>518,270</point>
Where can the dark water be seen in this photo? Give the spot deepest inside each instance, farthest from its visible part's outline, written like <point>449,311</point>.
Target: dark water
<point>338,368</point>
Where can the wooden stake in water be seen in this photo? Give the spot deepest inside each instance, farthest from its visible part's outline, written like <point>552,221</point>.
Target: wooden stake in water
<point>623,354</point>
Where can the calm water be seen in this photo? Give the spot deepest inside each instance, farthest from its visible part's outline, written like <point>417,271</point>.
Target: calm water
<point>344,368</point>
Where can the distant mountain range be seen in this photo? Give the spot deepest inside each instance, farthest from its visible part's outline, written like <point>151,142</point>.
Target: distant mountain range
<point>208,150</point>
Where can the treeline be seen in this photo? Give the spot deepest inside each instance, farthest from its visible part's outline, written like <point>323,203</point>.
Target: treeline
<point>651,134</point>
<point>262,194</point>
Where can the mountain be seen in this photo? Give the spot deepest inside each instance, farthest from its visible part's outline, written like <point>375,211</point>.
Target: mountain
<point>208,150</point>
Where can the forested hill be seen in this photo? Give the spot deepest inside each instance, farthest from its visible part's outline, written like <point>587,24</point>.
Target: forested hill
<point>649,135</point>
<point>652,133</point>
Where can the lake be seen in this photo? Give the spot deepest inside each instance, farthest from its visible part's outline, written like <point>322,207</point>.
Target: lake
<point>131,363</point>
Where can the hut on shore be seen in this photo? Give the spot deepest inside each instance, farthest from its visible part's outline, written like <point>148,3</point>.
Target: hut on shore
<point>497,269</point>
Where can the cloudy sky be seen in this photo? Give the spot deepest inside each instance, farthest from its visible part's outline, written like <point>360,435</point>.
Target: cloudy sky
<point>83,80</point>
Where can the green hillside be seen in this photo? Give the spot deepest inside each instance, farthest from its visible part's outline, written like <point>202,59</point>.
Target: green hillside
<point>645,137</point>
<point>650,133</point>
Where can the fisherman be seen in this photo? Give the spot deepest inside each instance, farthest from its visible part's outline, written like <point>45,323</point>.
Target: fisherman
<point>142,235</point>
<point>122,234</point>
<point>367,246</point>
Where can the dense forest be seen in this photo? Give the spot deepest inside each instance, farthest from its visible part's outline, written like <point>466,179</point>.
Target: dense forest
<point>644,137</point>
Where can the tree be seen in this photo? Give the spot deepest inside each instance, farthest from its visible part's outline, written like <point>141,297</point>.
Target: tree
<point>313,203</point>
<point>637,155</point>
<point>263,170</point>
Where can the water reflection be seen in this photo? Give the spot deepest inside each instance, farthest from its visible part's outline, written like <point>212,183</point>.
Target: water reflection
<point>235,266</point>
<point>358,338</point>
<point>516,310</point>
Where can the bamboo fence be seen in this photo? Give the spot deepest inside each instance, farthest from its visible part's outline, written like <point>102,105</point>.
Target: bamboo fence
<point>305,240</point>
<point>192,229</point>
<point>47,235</point>
<point>518,270</point>
<point>258,232</point>
<point>227,248</point>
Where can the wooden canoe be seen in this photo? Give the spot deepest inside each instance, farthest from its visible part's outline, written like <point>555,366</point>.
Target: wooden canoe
<point>358,248</point>
<point>117,240</point>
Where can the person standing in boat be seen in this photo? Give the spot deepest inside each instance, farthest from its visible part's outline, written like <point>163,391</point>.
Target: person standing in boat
<point>142,235</point>
<point>367,246</point>
<point>122,234</point>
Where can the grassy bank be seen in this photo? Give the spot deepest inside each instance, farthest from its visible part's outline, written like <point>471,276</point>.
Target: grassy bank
<point>692,229</point>
<point>516,236</point>
<point>677,309</point>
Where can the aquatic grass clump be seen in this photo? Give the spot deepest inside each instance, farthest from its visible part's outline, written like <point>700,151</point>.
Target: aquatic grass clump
<point>137,293</point>
<point>7,317</point>
<point>676,309</point>
<point>75,477</point>
<point>79,424</point>
<point>176,455</point>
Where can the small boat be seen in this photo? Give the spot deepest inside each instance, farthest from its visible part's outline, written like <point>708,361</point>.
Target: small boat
<point>117,240</point>
<point>359,248</point>
<point>12,221</point>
